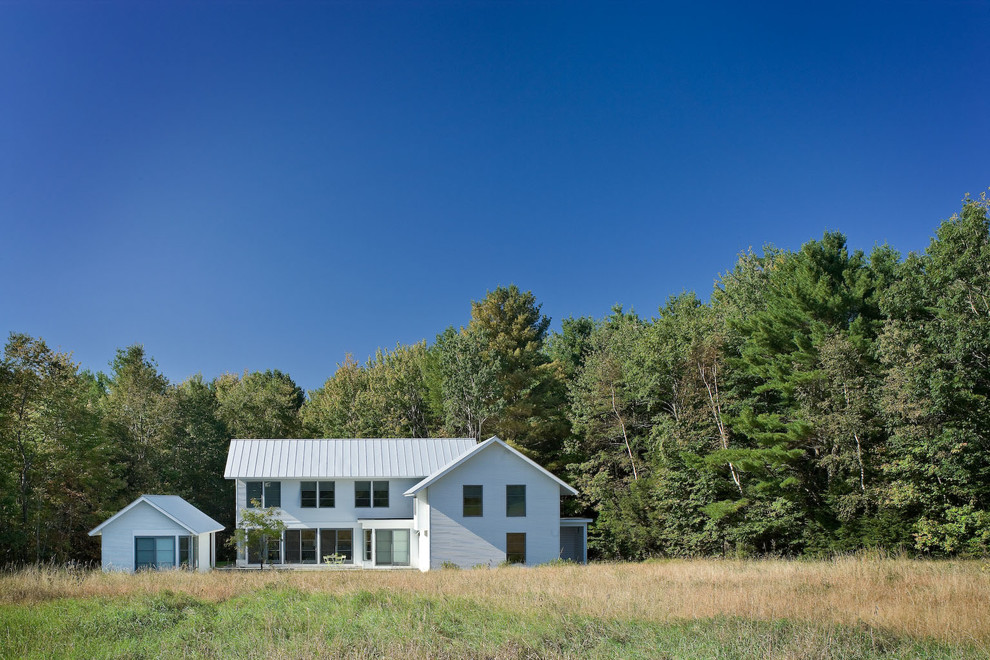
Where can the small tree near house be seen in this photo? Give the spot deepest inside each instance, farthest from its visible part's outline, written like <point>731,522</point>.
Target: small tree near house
<point>259,526</point>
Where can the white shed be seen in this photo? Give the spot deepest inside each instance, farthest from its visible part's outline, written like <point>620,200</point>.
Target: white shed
<point>158,532</point>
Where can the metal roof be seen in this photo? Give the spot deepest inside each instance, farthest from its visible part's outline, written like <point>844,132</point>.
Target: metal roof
<point>565,488</point>
<point>342,457</point>
<point>174,507</point>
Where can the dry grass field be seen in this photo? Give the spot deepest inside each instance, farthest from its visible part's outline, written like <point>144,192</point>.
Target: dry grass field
<point>946,602</point>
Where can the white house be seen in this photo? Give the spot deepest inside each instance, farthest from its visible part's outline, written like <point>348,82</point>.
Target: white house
<point>158,532</point>
<point>416,502</point>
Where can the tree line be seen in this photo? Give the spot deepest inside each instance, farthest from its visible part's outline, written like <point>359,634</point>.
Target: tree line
<point>823,400</point>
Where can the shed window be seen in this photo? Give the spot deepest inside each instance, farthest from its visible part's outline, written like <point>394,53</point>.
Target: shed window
<point>265,493</point>
<point>515,501</point>
<point>186,551</point>
<point>473,501</point>
<point>515,548</point>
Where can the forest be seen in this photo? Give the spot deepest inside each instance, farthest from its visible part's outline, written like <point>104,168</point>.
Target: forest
<point>821,401</point>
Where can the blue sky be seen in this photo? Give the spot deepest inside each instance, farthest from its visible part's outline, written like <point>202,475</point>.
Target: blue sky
<point>273,185</point>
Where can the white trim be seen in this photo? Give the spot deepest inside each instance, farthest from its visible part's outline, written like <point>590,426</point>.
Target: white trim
<point>564,486</point>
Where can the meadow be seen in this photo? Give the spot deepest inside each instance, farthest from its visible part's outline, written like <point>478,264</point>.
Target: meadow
<point>851,607</point>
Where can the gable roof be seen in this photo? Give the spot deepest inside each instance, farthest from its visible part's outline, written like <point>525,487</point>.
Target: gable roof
<point>341,457</point>
<point>173,507</point>
<point>565,488</point>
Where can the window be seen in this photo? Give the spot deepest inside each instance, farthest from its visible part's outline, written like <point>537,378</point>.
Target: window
<point>362,494</point>
<point>337,542</point>
<point>472,501</point>
<point>274,545</point>
<point>367,545</point>
<point>515,548</point>
<point>255,490</point>
<point>300,546</point>
<point>381,494</point>
<point>328,494</point>
<point>316,493</point>
<point>392,547</point>
<point>515,501</point>
<point>154,552</point>
<point>307,494</point>
<point>186,551</point>
<point>267,493</point>
<point>370,493</point>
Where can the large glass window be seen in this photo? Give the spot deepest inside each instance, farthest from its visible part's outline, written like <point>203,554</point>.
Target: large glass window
<point>337,542</point>
<point>154,552</point>
<point>370,493</point>
<point>300,546</point>
<point>472,501</point>
<point>515,548</point>
<point>266,493</point>
<point>515,501</point>
<point>316,493</point>
<point>392,547</point>
<point>274,546</point>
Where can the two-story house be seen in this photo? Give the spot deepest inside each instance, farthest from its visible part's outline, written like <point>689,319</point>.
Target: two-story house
<point>405,502</point>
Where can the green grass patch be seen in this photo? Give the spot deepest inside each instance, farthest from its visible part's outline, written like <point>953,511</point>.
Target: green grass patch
<point>287,622</point>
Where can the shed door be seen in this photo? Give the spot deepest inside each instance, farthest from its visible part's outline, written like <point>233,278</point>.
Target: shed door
<point>572,543</point>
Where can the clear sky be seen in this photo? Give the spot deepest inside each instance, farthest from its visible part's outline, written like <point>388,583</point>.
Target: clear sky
<point>255,185</point>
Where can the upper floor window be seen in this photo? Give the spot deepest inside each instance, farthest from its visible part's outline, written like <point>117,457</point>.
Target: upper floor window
<point>472,501</point>
<point>370,494</point>
<point>265,493</point>
<point>515,501</point>
<point>317,493</point>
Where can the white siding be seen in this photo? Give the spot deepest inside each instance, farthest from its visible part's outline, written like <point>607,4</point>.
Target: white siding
<point>343,515</point>
<point>117,538</point>
<point>344,510</point>
<point>481,540</point>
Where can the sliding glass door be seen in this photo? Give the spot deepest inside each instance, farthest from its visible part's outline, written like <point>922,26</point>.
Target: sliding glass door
<point>151,552</point>
<point>391,547</point>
